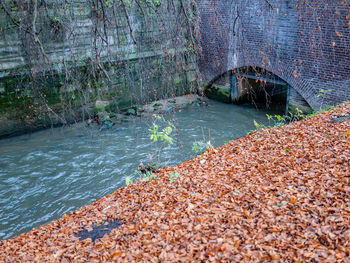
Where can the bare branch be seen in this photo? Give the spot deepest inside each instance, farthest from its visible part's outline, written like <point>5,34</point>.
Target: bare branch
<point>13,20</point>
<point>35,34</point>
<point>128,21</point>
<point>188,20</point>
<point>268,2</point>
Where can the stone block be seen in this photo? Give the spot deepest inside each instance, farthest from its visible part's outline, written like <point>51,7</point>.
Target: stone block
<point>100,105</point>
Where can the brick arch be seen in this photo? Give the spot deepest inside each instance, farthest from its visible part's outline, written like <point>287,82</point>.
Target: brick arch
<point>299,86</point>
<point>305,44</point>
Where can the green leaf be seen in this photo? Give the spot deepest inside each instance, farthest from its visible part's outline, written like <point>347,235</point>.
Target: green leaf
<point>128,180</point>
<point>257,125</point>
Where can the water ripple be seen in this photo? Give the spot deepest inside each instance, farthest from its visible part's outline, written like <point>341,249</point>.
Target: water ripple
<point>48,173</point>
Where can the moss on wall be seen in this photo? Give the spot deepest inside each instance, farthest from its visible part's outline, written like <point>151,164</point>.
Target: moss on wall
<point>125,54</point>
<point>217,92</point>
<point>27,106</point>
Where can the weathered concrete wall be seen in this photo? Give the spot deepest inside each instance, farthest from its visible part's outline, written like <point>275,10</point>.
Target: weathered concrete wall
<point>71,37</point>
<point>128,53</point>
<point>305,43</point>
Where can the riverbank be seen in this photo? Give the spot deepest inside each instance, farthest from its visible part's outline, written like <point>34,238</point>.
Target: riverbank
<point>106,116</point>
<point>100,113</point>
<point>277,194</point>
<point>62,169</point>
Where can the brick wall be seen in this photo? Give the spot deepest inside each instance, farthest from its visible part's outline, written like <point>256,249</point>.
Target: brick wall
<point>305,43</point>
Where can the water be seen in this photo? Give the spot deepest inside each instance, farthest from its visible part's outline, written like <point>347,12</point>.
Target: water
<point>48,173</point>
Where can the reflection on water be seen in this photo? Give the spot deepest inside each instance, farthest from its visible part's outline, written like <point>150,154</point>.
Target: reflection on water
<point>48,173</point>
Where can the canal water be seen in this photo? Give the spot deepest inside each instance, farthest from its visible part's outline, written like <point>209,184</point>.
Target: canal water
<point>46,174</point>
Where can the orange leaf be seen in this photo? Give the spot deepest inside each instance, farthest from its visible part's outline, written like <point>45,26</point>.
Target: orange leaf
<point>116,254</point>
<point>338,34</point>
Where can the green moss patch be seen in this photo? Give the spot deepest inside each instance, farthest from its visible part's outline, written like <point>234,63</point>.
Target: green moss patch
<point>219,93</point>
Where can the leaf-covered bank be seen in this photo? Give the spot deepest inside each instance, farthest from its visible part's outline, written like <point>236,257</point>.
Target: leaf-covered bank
<point>278,194</point>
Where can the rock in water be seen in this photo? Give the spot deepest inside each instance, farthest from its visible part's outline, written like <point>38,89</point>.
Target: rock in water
<point>101,105</point>
<point>107,124</point>
<point>146,168</point>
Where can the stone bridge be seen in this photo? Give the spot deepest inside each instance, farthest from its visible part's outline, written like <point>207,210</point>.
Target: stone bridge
<point>305,44</point>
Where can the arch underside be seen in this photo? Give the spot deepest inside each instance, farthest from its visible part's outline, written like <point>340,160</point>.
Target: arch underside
<point>241,79</point>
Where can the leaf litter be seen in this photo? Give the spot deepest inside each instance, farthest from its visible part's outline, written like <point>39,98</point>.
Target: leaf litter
<point>247,201</point>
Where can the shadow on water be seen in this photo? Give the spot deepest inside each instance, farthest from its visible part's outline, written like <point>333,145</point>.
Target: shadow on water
<point>51,172</point>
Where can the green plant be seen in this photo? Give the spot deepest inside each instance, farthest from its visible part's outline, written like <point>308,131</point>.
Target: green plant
<point>201,146</point>
<point>249,133</point>
<point>155,2</point>
<point>128,180</point>
<point>164,134</point>
<point>146,177</point>
<point>160,133</point>
<point>314,113</point>
<point>173,177</point>
<point>278,120</point>
<point>258,126</point>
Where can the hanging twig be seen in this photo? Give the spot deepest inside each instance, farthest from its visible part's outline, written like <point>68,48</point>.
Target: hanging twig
<point>268,2</point>
<point>13,20</point>
<point>104,19</point>
<point>33,33</point>
<point>188,20</point>
<point>143,13</point>
<point>128,21</point>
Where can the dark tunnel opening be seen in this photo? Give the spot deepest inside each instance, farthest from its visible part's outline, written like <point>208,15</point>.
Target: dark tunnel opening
<point>259,87</point>
<point>251,85</point>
